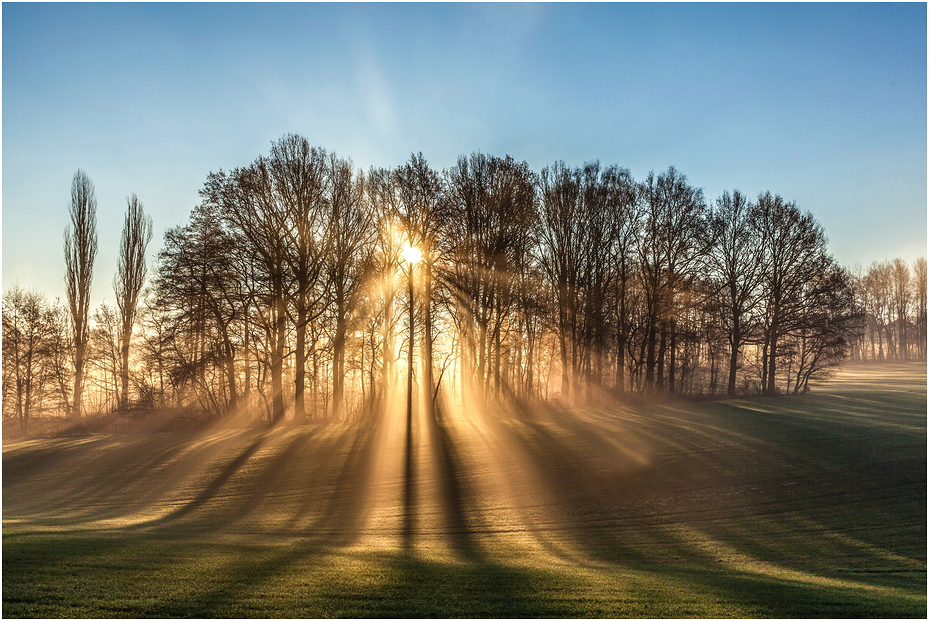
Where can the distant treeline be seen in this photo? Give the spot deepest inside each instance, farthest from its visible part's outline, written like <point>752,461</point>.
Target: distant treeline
<point>292,291</point>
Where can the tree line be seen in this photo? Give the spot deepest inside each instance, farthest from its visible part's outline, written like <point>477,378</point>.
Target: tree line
<point>892,297</point>
<point>292,292</point>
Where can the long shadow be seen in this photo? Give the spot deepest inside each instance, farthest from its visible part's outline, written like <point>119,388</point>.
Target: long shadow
<point>408,526</point>
<point>636,521</point>
<point>262,485</point>
<point>149,575</point>
<point>211,490</point>
<point>340,523</point>
<point>573,489</point>
<point>338,526</point>
<point>612,525</point>
<point>140,577</point>
<point>454,496</point>
<point>303,469</point>
<point>106,478</point>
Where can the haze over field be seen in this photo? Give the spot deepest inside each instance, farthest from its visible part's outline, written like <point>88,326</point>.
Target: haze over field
<point>801,507</point>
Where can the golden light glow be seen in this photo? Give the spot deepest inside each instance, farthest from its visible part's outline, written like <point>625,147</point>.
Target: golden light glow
<point>411,254</point>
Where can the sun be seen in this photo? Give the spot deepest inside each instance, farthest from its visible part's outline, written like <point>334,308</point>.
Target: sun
<point>411,254</point>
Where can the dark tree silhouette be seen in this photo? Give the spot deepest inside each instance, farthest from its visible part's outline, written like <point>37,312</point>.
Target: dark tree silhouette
<point>348,257</point>
<point>25,346</point>
<point>130,276</point>
<point>80,249</point>
<point>919,289</point>
<point>794,254</point>
<point>674,240</point>
<point>561,248</point>
<point>200,288</point>
<point>735,263</point>
<point>421,212</point>
<point>902,299</point>
<point>829,322</point>
<point>299,178</point>
<point>491,213</point>
<point>247,201</point>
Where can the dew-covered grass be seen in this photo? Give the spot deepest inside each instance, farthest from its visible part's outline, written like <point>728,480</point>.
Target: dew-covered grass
<point>806,506</point>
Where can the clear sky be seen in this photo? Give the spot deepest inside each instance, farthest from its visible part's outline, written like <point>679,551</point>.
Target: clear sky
<point>824,104</point>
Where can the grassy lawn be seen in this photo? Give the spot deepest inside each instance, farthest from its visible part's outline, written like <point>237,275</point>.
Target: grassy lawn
<point>806,506</point>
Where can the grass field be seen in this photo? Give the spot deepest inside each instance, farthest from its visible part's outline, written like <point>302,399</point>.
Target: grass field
<point>801,506</point>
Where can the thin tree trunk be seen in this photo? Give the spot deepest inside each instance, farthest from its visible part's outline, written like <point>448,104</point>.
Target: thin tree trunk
<point>673,360</point>
<point>427,340</point>
<point>651,344</point>
<point>388,347</point>
<point>79,354</point>
<point>124,368</point>
<point>409,369</point>
<point>733,358</point>
<point>662,349</point>
<point>300,361</point>
<point>277,362</point>
<point>772,358</point>
<point>338,362</point>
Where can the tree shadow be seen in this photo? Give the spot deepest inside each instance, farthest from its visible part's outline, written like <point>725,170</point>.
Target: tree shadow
<point>737,504</point>
<point>455,498</point>
<point>789,511</point>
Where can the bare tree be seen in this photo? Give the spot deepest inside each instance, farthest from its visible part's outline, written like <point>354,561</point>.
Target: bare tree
<point>200,290</point>
<point>299,180</point>
<point>828,323</point>
<point>794,254</point>
<point>491,204</point>
<point>383,198</point>
<point>621,204</point>
<point>420,209</point>
<point>102,381</point>
<point>674,240</point>
<point>919,295</point>
<point>735,261</point>
<point>130,276</point>
<point>875,294</point>
<point>560,251</point>
<point>286,281</point>
<point>902,298</point>
<point>80,249</point>
<point>246,200</point>
<point>348,257</point>
<point>59,356</point>
<point>25,328</point>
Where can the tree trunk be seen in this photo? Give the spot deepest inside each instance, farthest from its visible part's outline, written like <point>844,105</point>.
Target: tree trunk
<point>388,351</point>
<point>409,369</point>
<point>735,338</point>
<point>662,349</point>
<point>497,354</point>
<point>300,361</point>
<point>651,350</point>
<point>565,369</point>
<point>620,383</point>
<point>338,361</point>
<point>673,356</point>
<point>124,368</point>
<point>427,341</point>
<point>772,358</point>
<point>79,353</point>
<point>277,362</point>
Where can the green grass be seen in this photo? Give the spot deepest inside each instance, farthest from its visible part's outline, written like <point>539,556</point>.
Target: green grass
<point>808,506</point>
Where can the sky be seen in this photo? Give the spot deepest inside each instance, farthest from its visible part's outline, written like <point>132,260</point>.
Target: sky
<point>824,104</point>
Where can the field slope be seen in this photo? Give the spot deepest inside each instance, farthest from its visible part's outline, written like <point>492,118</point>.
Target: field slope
<point>806,506</point>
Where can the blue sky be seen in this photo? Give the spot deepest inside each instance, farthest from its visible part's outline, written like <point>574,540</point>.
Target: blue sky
<point>824,104</point>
